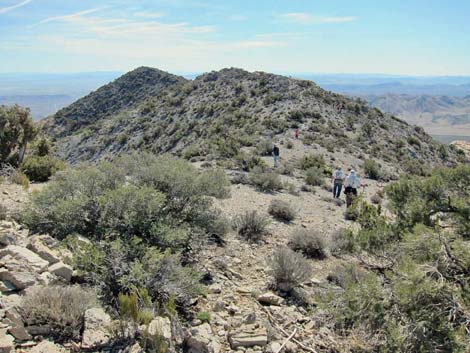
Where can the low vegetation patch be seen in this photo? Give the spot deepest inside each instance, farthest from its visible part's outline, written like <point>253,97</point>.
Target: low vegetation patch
<point>59,308</point>
<point>281,210</point>
<point>265,181</point>
<point>289,269</point>
<point>251,225</point>
<point>309,242</point>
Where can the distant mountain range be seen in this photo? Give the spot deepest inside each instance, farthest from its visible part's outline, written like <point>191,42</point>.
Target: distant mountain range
<point>439,115</point>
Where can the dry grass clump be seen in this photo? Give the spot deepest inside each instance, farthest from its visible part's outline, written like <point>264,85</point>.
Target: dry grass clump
<point>59,308</point>
<point>281,210</point>
<point>309,242</point>
<point>289,269</point>
<point>251,225</point>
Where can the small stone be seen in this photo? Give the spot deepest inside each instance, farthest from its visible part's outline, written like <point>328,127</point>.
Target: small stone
<point>248,336</point>
<point>61,270</point>
<point>215,289</point>
<point>270,299</point>
<point>250,318</point>
<point>219,306</point>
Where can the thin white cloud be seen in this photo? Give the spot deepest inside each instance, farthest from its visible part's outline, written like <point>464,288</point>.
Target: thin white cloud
<point>148,14</point>
<point>66,17</point>
<point>306,18</point>
<point>10,8</point>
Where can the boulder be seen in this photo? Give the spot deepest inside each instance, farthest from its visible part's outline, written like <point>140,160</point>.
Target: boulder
<point>20,280</point>
<point>6,342</point>
<point>270,298</point>
<point>16,327</point>
<point>47,347</point>
<point>28,259</point>
<point>95,333</point>
<point>160,326</point>
<point>202,340</point>
<point>61,270</point>
<point>248,336</point>
<point>8,238</point>
<point>44,246</point>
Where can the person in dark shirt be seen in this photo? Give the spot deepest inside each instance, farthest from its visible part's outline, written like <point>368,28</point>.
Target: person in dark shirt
<point>276,155</point>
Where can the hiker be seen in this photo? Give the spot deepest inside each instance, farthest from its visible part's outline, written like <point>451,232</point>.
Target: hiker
<point>296,134</point>
<point>276,155</point>
<point>351,185</point>
<point>337,178</point>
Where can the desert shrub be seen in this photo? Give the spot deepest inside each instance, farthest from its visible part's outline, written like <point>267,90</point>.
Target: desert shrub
<point>119,267</point>
<point>265,147</point>
<point>309,242</point>
<point>247,162</point>
<point>372,169</point>
<point>60,308</point>
<point>41,168</point>
<point>288,268</point>
<point>344,275</point>
<point>281,210</point>
<point>18,177</point>
<point>417,290</point>
<point>135,195</point>
<point>251,225</point>
<point>342,242</point>
<point>42,147</point>
<point>286,169</point>
<point>312,160</point>
<point>414,141</point>
<point>376,199</point>
<point>314,176</point>
<point>17,130</point>
<point>265,181</point>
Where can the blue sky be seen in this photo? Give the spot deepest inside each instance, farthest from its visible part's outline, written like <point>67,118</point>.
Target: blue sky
<point>413,37</point>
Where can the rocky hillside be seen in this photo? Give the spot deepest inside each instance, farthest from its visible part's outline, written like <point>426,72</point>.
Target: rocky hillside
<point>219,113</point>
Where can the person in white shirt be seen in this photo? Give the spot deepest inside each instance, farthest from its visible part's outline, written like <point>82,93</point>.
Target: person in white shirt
<point>338,179</point>
<point>351,185</point>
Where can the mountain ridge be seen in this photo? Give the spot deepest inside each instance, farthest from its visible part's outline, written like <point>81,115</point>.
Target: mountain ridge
<point>220,113</point>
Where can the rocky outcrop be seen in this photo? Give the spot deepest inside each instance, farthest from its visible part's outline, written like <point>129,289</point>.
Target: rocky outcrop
<point>6,342</point>
<point>96,333</point>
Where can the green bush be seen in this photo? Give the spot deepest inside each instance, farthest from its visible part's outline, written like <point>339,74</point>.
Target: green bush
<point>265,181</point>
<point>342,242</point>
<point>247,162</point>
<point>309,242</point>
<point>251,225</point>
<point>372,169</point>
<point>41,168</point>
<point>312,161</point>
<point>59,308</point>
<point>289,269</point>
<point>17,130</point>
<point>314,176</point>
<point>120,267</point>
<point>136,195</point>
<point>204,316</point>
<point>281,210</point>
